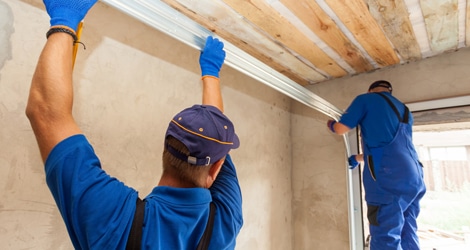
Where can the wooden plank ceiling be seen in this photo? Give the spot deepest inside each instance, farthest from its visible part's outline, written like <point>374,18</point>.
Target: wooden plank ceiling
<point>312,41</point>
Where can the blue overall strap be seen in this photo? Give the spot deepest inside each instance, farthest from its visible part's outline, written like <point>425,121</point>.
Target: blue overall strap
<point>134,240</point>
<point>206,237</point>
<point>405,115</point>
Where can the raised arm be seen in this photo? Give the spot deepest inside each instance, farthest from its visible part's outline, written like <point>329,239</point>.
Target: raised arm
<point>50,100</point>
<point>211,59</point>
<point>49,107</point>
<point>337,127</point>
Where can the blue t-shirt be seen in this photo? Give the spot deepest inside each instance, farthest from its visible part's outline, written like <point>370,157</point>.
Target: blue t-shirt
<point>98,209</point>
<point>175,218</point>
<point>377,120</point>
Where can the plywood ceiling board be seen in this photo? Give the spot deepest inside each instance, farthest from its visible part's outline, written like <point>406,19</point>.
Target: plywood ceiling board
<point>441,19</point>
<point>312,15</point>
<point>226,23</point>
<point>268,20</point>
<point>357,18</point>
<point>394,19</point>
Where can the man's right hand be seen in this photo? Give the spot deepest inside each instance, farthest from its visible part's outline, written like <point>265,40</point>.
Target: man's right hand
<point>68,13</point>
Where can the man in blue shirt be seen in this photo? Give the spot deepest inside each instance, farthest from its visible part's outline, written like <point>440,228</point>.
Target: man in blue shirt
<point>393,176</point>
<point>99,211</point>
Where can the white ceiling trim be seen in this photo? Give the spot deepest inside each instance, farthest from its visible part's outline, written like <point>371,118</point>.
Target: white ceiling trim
<point>439,104</point>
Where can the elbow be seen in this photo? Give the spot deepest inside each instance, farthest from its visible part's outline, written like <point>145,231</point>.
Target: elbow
<point>40,117</point>
<point>32,110</point>
<point>33,114</point>
<point>36,110</point>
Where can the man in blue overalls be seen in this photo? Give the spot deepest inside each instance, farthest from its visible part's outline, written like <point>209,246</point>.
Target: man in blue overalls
<point>393,176</point>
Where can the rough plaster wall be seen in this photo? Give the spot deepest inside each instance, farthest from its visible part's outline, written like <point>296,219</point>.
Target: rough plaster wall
<point>6,29</point>
<point>129,82</point>
<point>318,182</point>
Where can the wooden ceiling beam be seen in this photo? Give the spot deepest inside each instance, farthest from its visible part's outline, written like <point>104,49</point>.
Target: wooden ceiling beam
<point>467,25</point>
<point>223,21</point>
<point>357,18</point>
<point>442,24</point>
<point>312,15</point>
<point>272,23</point>
<point>394,19</point>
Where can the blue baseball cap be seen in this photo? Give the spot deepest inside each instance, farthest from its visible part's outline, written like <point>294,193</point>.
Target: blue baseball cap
<point>205,131</point>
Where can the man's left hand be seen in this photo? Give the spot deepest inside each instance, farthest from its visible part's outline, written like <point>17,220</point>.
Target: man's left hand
<point>352,161</point>
<point>212,57</point>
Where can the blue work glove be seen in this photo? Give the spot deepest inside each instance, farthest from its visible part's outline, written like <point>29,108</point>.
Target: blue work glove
<point>352,162</point>
<point>68,12</point>
<point>212,57</point>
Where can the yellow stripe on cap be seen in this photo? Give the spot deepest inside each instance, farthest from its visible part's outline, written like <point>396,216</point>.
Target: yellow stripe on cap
<point>200,135</point>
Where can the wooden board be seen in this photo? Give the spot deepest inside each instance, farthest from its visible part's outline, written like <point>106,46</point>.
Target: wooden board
<point>312,15</point>
<point>467,25</point>
<point>273,24</point>
<point>394,19</point>
<point>229,25</point>
<point>357,18</point>
<point>441,19</point>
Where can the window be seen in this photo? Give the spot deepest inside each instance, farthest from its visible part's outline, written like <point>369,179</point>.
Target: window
<point>444,153</point>
<point>448,153</point>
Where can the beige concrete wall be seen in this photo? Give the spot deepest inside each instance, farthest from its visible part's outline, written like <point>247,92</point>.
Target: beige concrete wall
<point>319,183</point>
<point>129,82</point>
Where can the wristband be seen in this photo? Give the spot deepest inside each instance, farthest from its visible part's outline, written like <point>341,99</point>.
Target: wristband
<point>209,76</point>
<point>331,126</point>
<point>62,29</point>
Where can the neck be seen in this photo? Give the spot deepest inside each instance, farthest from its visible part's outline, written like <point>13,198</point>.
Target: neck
<point>379,89</point>
<point>171,181</point>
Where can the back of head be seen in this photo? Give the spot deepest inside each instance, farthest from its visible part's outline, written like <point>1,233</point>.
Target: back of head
<point>184,172</point>
<point>196,137</point>
<point>382,84</point>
